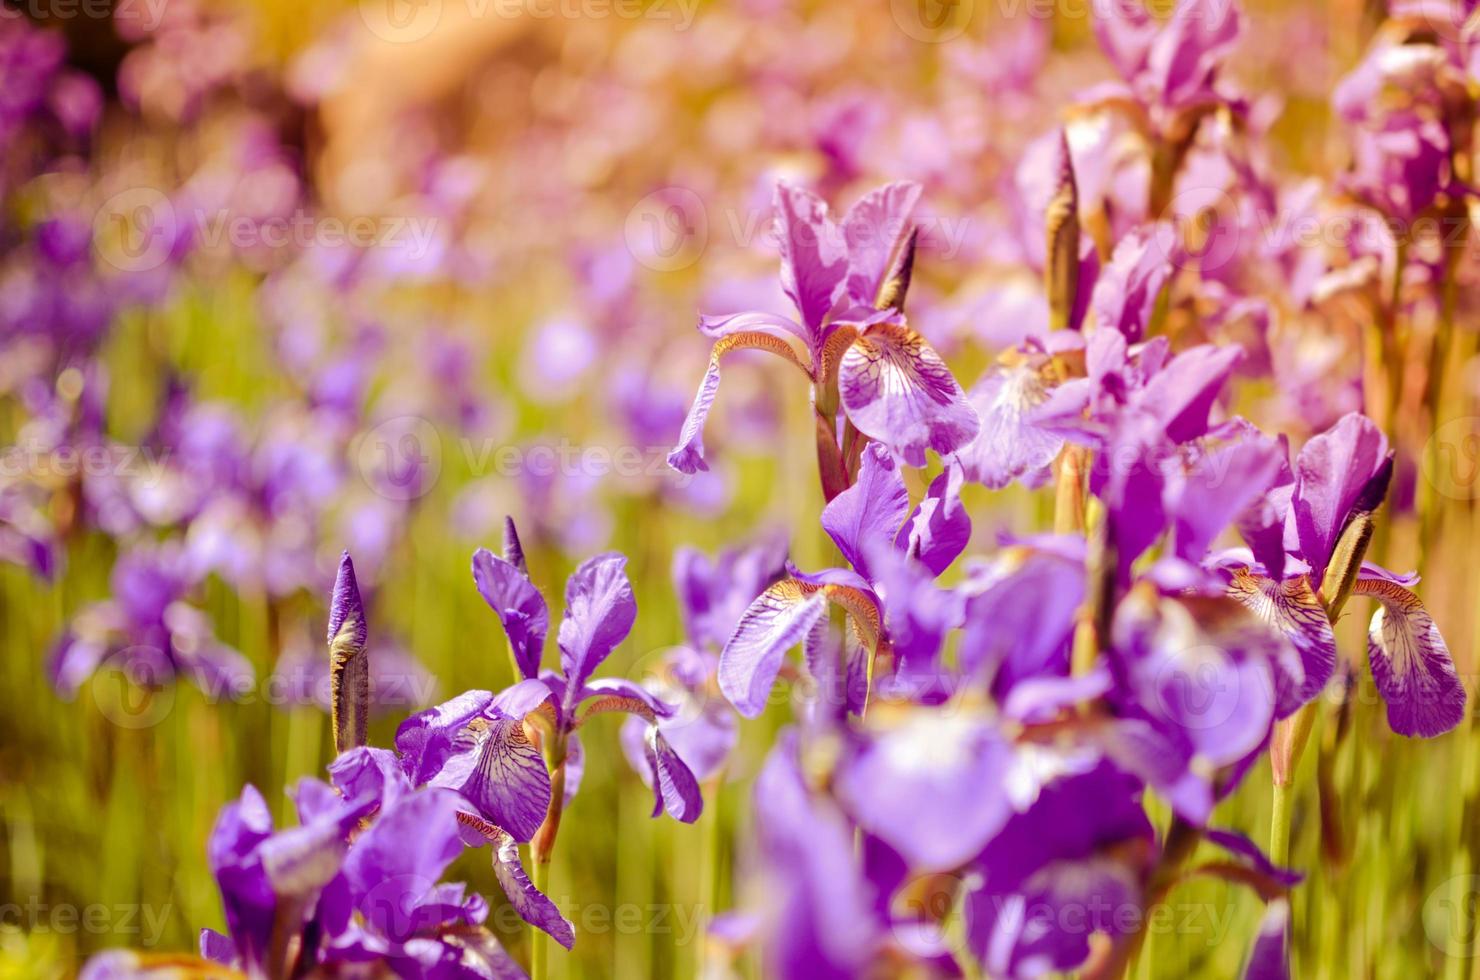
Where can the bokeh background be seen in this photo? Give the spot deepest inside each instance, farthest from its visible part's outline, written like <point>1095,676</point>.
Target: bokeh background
<point>315,276</point>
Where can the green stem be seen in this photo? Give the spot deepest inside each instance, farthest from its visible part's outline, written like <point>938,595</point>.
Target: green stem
<point>1279,825</point>
<point>542,849</point>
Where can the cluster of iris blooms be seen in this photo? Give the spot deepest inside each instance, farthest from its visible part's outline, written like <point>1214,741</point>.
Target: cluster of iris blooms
<point>988,735</point>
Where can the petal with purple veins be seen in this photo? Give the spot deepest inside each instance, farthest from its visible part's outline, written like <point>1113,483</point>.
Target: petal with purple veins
<point>776,621</point>
<point>674,786</point>
<point>897,390</point>
<point>1410,663</point>
<point>496,767</point>
<point>1009,446</point>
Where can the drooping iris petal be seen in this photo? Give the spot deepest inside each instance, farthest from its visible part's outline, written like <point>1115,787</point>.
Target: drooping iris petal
<point>688,455</point>
<point>1292,607</point>
<point>897,390</point>
<point>599,612</point>
<point>496,767</point>
<point>776,621</point>
<point>615,694</point>
<point>1331,472</point>
<point>674,787</point>
<point>931,785</point>
<point>814,260</point>
<point>717,327</point>
<point>532,905</point>
<point>518,604</point>
<point>1009,446</point>
<point>874,231</point>
<point>873,509</point>
<point>1410,663</point>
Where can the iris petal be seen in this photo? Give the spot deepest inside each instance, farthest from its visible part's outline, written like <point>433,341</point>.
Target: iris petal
<point>897,390</point>
<point>500,771</point>
<point>1009,446</point>
<point>688,455</point>
<point>519,606</point>
<point>674,786</point>
<point>776,621</point>
<point>599,612</point>
<point>1293,608</point>
<point>1411,663</point>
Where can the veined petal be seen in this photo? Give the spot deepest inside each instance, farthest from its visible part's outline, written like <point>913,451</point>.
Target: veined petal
<point>897,390</point>
<point>875,230</point>
<point>495,766</point>
<point>1009,446</point>
<point>752,321</point>
<point>599,612</point>
<point>1293,608</point>
<point>873,509</point>
<point>1410,663</point>
<point>532,905</point>
<point>520,607</point>
<point>814,260</point>
<point>688,455</point>
<point>674,786</point>
<point>776,621</point>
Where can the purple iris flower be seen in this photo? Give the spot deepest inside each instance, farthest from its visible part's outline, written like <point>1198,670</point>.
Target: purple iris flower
<point>1170,69</point>
<point>713,594</point>
<point>148,628</point>
<point>356,883</point>
<point>1340,476</point>
<point>490,747</point>
<point>887,595</point>
<point>846,281</point>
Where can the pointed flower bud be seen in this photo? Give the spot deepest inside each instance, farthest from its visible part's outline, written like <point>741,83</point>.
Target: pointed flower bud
<point>1061,221</point>
<point>349,667</point>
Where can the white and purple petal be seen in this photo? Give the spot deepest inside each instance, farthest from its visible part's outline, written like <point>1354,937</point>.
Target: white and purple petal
<point>1410,663</point>
<point>897,390</point>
